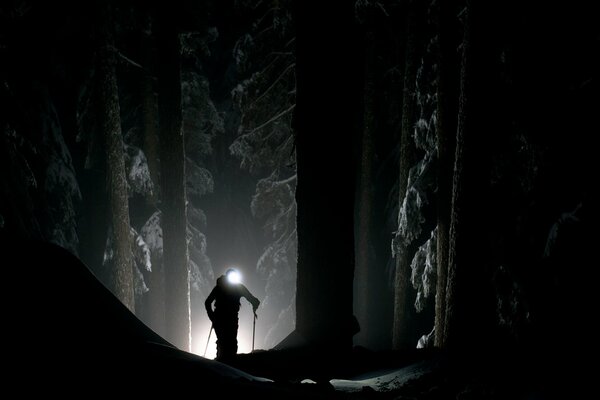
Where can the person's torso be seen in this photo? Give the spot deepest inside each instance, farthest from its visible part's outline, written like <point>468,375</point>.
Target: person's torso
<point>227,299</point>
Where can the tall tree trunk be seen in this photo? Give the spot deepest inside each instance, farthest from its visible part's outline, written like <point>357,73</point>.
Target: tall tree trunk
<point>468,310</point>
<point>172,163</point>
<point>326,96</point>
<point>403,307</point>
<point>110,122</point>
<point>155,298</point>
<point>365,257</point>
<point>446,134</point>
<point>149,113</point>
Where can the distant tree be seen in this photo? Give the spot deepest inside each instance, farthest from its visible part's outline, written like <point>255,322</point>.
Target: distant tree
<point>447,75</point>
<point>402,298</point>
<point>150,143</point>
<point>109,118</point>
<point>172,165</point>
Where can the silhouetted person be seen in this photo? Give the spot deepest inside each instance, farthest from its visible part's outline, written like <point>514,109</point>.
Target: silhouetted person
<point>226,295</point>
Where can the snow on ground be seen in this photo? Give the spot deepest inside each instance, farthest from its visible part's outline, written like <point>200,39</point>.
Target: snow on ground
<point>228,371</point>
<point>384,381</point>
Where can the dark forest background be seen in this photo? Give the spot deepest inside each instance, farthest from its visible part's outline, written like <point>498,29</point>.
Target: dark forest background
<point>421,172</point>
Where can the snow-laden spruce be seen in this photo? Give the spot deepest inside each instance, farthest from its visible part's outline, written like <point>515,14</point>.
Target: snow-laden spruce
<point>138,174</point>
<point>198,180</point>
<point>201,119</point>
<point>274,202</point>
<point>60,183</point>
<point>421,187</point>
<point>413,211</point>
<point>424,271</point>
<point>201,272</point>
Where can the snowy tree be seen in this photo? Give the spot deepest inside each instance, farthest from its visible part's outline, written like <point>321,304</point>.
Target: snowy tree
<point>274,203</point>
<point>417,212</point>
<point>424,270</point>
<point>402,309</point>
<point>265,99</point>
<point>40,192</point>
<point>139,180</point>
<point>59,183</point>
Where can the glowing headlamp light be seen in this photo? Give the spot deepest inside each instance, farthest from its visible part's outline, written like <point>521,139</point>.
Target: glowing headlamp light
<point>233,276</point>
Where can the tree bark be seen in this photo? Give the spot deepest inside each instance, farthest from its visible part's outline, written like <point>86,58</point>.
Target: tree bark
<point>327,99</point>
<point>365,257</point>
<point>172,163</point>
<point>468,311</point>
<point>403,308</point>
<point>155,298</point>
<point>446,134</point>
<point>149,114</point>
<point>110,121</point>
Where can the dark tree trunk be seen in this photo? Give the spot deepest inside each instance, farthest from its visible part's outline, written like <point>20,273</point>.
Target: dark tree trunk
<point>110,123</point>
<point>403,306</point>
<point>174,220</point>
<point>446,134</point>
<point>467,305</point>
<point>154,311</point>
<point>365,257</point>
<point>149,113</point>
<point>326,101</point>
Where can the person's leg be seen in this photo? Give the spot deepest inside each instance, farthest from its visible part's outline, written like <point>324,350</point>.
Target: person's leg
<point>229,337</point>
<point>219,332</point>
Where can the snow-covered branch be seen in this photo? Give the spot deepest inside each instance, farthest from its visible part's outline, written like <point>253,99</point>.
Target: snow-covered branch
<point>263,94</point>
<point>270,121</point>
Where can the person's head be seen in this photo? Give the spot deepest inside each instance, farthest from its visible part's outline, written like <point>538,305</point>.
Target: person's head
<point>233,276</point>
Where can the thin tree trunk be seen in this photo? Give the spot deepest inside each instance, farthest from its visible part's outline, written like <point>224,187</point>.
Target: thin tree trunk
<point>365,258</point>
<point>174,220</point>
<point>108,102</point>
<point>402,305</point>
<point>445,128</point>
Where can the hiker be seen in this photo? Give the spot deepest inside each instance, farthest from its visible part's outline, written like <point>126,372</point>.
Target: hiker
<point>226,296</point>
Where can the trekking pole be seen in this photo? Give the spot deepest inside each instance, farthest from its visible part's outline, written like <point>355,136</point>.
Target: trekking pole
<point>209,333</point>
<point>253,330</point>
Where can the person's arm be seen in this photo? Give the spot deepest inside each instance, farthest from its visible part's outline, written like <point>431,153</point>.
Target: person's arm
<point>208,304</point>
<point>253,300</point>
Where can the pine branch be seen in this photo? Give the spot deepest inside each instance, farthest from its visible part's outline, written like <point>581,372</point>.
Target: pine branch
<point>272,85</point>
<point>270,121</point>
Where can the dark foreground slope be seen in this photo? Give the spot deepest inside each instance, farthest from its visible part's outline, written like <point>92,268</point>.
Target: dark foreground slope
<point>63,332</point>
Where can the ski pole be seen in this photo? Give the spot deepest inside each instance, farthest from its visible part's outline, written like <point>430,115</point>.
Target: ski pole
<point>209,333</point>
<point>253,331</point>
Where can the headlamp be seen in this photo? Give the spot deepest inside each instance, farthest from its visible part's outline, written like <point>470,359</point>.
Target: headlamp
<point>233,276</point>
